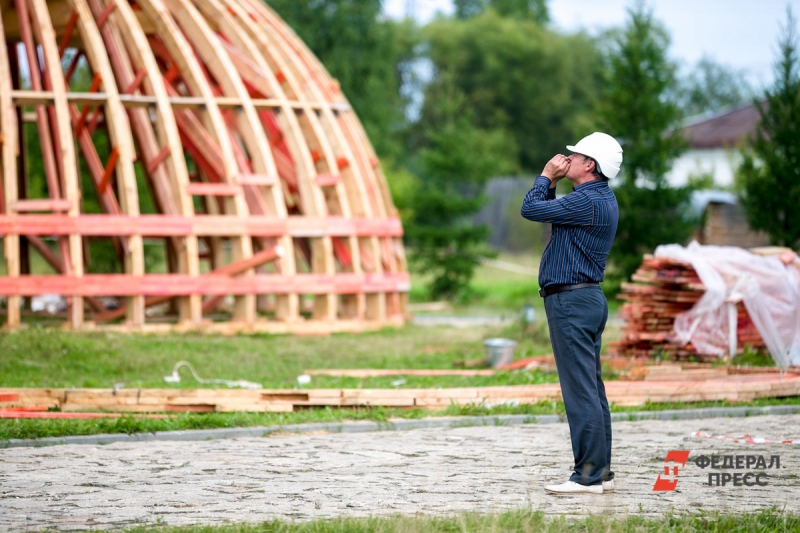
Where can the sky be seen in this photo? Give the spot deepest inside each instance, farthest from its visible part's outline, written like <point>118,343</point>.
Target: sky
<point>737,33</point>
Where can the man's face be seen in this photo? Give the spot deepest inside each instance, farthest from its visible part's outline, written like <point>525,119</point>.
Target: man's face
<point>579,166</point>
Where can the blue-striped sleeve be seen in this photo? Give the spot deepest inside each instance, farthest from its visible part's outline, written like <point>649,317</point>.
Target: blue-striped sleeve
<point>540,205</point>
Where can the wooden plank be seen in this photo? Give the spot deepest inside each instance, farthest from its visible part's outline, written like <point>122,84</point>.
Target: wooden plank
<point>214,189</point>
<point>371,373</point>
<point>311,198</point>
<point>25,98</point>
<point>323,147</point>
<point>265,256</point>
<point>45,118</point>
<point>212,49</point>
<point>188,55</point>
<point>73,256</point>
<point>208,400</point>
<point>23,206</point>
<point>260,180</point>
<point>8,163</point>
<point>140,122</point>
<point>58,415</point>
<point>166,226</point>
<point>327,180</point>
<point>139,49</point>
<point>181,284</point>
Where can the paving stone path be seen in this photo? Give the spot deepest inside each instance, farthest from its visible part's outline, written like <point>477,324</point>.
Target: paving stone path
<point>485,469</point>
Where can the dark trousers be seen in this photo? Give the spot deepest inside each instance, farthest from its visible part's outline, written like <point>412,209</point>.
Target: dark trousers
<point>576,319</point>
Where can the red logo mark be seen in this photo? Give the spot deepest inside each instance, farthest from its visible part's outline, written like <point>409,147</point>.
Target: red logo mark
<point>670,479</point>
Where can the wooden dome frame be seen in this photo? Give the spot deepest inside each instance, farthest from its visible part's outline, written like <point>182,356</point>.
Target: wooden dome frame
<point>269,197</point>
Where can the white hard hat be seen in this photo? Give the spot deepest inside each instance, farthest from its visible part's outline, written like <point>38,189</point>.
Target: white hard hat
<point>604,149</point>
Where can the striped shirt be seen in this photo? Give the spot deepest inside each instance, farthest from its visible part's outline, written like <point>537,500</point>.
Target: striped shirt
<point>584,225</point>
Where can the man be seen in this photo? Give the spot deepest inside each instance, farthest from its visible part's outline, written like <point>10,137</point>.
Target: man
<point>584,225</point>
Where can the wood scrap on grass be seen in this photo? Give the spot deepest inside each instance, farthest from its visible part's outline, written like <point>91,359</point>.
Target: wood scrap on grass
<point>741,387</point>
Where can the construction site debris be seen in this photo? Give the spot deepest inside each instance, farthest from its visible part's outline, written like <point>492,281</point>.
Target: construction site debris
<point>175,377</point>
<point>745,439</point>
<point>380,372</point>
<point>44,413</point>
<point>674,373</point>
<point>732,388</point>
<point>706,302</point>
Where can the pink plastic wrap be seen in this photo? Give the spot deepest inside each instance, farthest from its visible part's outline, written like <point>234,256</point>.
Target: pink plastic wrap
<point>769,289</point>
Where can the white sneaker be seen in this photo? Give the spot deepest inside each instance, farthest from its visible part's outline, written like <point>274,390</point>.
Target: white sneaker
<point>608,486</point>
<point>570,487</point>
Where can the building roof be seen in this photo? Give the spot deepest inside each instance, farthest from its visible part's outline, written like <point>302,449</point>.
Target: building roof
<point>724,129</point>
<point>700,200</point>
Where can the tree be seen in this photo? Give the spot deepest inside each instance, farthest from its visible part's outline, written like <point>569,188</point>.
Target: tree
<point>363,52</point>
<point>455,164</point>
<point>535,10</point>
<point>710,86</point>
<point>465,9</point>
<point>638,108</point>
<point>769,176</point>
<point>517,76</point>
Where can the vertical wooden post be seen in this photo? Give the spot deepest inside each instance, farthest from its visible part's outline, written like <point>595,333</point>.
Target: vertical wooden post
<point>22,188</point>
<point>135,40</point>
<point>47,37</point>
<point>190,24</point>
<point>119,130</point>
<point>8,159</point>
<point>312,199</point>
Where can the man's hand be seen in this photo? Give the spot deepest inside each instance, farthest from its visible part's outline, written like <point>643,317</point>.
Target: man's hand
<point>556,168</point>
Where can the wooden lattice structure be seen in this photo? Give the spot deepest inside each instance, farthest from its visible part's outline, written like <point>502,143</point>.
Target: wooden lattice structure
<point>265,195</point>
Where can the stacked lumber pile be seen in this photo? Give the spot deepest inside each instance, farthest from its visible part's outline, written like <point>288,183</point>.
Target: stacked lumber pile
<point>662,290</point>
<point>658,389</point>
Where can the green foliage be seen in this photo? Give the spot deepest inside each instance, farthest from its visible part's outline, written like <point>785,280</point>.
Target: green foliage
<point>637,108</point>
<point>456,162</point>
<point>363,52</point>
<point>535,10</point>
<point>701,180</point>
<point>515,75</point>
<point>465,9</point>
<point>505,94</point>
<point>769,177</point>
<point>648,218</point>
<point>711,86</point>
<point>404,187</point>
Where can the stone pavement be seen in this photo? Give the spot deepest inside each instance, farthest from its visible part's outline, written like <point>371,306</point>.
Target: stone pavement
<point>484,469</point>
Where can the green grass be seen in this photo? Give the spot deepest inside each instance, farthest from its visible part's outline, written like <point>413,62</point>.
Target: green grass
<point>36,428</point>
<point>494,290</point>
<point>49,357</point>
<point>491,289</point>
<point>770,520</point>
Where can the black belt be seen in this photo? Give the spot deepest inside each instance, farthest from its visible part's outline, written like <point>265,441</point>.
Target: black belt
<point>552,289</point>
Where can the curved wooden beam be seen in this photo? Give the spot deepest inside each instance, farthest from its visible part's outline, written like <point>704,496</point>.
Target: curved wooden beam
<point>278,161</point>
<point>8,158</point>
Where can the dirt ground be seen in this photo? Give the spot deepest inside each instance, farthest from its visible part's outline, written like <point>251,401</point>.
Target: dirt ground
<point>483,469</point>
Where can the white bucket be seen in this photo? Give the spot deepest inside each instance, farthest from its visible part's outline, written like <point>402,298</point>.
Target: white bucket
<point>499,352</point>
